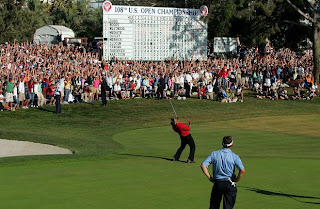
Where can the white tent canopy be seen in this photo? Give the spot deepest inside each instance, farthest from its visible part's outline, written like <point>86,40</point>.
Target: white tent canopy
<point>48,34</point>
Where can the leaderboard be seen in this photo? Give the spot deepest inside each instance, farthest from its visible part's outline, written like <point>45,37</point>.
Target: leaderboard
<point>153,33</point>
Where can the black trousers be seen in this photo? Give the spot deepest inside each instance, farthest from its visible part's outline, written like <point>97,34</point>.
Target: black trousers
<point>58,105</point>
<point>104,97</point>
<point>226,190</point>
<point>186,140</point>
<point>160,92</point>
<point>187,88</point>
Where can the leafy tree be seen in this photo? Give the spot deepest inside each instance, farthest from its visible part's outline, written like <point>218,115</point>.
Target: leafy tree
<point>309,11</point>
<point>19,23</point>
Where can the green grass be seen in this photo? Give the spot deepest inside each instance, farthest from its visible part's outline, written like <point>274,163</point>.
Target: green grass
<point>121,154</point>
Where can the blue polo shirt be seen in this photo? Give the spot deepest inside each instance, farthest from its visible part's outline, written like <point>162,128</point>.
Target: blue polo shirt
<point>223,163</point>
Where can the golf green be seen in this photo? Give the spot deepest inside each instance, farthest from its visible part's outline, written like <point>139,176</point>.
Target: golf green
<point>280,154</point>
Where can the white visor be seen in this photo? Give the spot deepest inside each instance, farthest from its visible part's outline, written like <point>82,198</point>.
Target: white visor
<point>228,145</point>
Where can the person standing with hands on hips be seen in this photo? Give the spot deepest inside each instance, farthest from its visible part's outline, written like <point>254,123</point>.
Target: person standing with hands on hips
<point>186,138</point>
<point>223,163</point>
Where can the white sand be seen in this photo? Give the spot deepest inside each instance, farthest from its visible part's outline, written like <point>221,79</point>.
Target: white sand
<point>10,148</point>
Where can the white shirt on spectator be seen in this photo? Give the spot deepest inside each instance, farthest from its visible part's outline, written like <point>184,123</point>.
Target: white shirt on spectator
<point>58,89</point>
<point>256,86</point>
<point>21,87</point>
<point>188,78</point>
<point>314,88</point>
<point>114,80</point>
<point>268,82</point>
<point>62,84</point>
<point>207,75</point>
<point>15,91</point>
<point>210,88</point>
<point>35,88</point>
<point>181,80</point>
<point>1,98</point>
<point>120,78</point>
<point>301,71</point>
<point>138,80</point>
<point>117,87</point>
<point>78,82</point>
<point>110,81</point>
<point>195,75</point>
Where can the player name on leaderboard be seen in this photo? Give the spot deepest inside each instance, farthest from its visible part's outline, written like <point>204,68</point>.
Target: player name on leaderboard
<point>153,33</point>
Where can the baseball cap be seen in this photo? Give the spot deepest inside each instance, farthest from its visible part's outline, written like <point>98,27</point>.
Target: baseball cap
<point>173,123</point>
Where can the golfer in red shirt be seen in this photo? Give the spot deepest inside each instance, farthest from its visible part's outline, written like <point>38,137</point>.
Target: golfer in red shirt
<point>186,139</point>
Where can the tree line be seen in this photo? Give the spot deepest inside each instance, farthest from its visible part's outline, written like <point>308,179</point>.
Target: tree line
<point>19,19</point>
<point>251,21</point>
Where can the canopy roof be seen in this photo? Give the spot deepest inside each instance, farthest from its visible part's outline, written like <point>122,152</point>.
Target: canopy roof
<point>48,34</point>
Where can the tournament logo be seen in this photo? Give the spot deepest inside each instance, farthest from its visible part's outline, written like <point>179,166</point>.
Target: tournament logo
<point>204,10</point>
<point>107,6</point>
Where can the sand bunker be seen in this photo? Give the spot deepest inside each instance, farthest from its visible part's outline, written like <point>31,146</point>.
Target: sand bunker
<point>10,148</point>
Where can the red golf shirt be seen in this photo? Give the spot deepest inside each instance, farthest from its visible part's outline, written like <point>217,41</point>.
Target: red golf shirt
<point>181,129</point>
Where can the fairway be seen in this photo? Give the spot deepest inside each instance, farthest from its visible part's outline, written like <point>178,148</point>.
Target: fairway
<point>122,155</point>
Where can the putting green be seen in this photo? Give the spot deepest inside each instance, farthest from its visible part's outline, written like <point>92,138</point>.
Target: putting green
<point>280,154</point>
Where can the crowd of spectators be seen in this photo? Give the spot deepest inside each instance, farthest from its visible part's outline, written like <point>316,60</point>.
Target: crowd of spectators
<point>29,74</point>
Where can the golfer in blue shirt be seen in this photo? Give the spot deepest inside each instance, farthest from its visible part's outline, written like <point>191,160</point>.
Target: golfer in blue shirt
<point>223,163</point>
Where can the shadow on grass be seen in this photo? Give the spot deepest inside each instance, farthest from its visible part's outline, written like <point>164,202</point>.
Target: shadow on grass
<point>294,197</point>
<point>149,156</point>
<point>87,103</point>
<point>45,110</point>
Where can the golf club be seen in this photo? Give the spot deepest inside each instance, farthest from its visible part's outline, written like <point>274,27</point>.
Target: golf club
<point>173,109</point>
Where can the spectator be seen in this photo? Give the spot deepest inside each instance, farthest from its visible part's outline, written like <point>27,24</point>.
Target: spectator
<point>283,94</point>
<point>38,89</point>
<point>62,88</point>
<point>239,92</point>
<point>15,95</point>
<point>202,92</point>
<point>161,87</point>
<point>85,94</point>
<point>274,70</point>
<point>231,97</point>
<point>50,94</point>
<point>117,91</point>
<point>222,95</point>
<point>181,93</point>
<point>44,86</point>
<point>9,91</point>
<point>67,89</point>
<point>21,90</point>
<point>210,91</point>
<point>31,91</point>
<point>3,105</point>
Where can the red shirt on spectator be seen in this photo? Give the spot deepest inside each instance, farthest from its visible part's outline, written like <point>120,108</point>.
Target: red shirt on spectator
<point>151,81</point>
<point>50,90</point>
<point>133,86</point>
<point>202,91</point>
<point>181,129</point>
<point>224,73</point>
<point>31,86</point>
